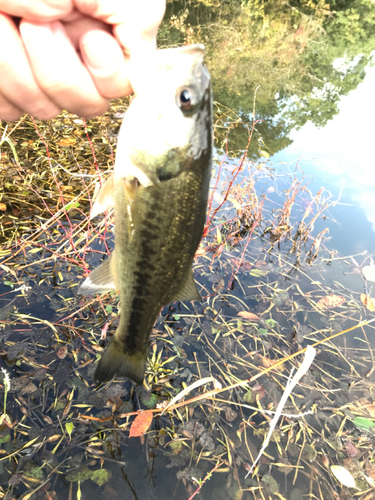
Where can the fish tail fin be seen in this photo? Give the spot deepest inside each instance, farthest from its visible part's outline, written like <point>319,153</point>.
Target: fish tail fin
<point>116,362</point>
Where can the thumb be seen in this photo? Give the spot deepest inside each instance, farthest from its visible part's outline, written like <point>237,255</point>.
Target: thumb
<point>138,32</point>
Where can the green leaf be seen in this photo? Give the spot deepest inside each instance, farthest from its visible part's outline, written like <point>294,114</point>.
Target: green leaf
<point>263,331</point>
<point>176,317</point>
<point>271,322</point>
<point>69,428</point>
<point>363,423</point>
<point>79,475</point>
<point>108,309</point>
<point>72,204</point>
<point>11,144</point>
<point>258,273</point>
<point>270,483</point>
<point>34,472</point>
<point>175,446</point>
<point>5,439</point>
<point>218,236</point>
<point>8,283</point>
<point>248,397</point>
<point>149,400</point>
<point>101,476</point>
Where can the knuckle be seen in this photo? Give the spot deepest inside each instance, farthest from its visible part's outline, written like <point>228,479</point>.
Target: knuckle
<point>43,114</point>
<point>95,109</point>
<point>9,115</point>
<point>8,112</point>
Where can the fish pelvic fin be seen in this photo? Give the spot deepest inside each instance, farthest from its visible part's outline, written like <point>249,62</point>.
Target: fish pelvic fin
<point>101,280</point>
<point>104,200</point>
<point>189,289</point>
<point>116,362</point>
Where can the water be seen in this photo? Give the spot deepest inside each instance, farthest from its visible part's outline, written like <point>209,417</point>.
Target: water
<point>339,157</point>
<point>305,76</point>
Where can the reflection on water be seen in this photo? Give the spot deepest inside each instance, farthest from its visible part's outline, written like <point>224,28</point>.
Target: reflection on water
<point>285,53</point>
<point>341,153</point>
<point>309,66</point>
<point>288,52</point>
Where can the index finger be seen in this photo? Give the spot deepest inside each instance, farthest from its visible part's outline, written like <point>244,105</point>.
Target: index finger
<point>135,22</point>
<point>37,10</point>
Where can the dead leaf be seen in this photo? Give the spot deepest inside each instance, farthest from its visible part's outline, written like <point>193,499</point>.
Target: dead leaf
<point>267,362</point>
<point>192,429</point>
<point>369,273</point>
<point>343,476</point>
<point>67,141</point>
<point>248,315</point>
<point>351,450</point>
<point>370,470</point>
<point>260,263</point>
<point>245,265</point>
<point>62,352</point>
<point>66,410</point>
<point>230,414</point>
<point>53,438</point>
<point>368,302</point>
<point>371,409</point>
<point>3,206</point>
<point>29,388</point>
<point>258,391</point>
<point>352,465</point>
<point>15,479</point>
<point>141,424</point>
<point>330,302</point>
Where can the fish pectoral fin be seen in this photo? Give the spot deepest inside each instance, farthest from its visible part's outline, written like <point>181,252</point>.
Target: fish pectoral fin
<point>104,200</point>
<point>189,290</point>
<point>100,280</point>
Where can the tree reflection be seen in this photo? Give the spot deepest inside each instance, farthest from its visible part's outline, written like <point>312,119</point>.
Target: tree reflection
<point>291,50</point>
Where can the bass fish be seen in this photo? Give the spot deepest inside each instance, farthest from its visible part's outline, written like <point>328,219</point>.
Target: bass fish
<point>159,192</point>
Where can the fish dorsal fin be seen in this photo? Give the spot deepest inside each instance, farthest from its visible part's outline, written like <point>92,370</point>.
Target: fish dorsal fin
<point>189,290</point>
<point>101,280</point>
<point>104,200</point>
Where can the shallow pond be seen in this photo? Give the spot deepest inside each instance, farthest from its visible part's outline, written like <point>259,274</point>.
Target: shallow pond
<point>283,265</point>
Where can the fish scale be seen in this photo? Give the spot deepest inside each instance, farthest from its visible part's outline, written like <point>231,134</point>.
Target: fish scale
<point>158,224</point>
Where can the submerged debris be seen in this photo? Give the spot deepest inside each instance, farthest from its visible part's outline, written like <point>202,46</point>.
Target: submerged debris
<point>217,370</point>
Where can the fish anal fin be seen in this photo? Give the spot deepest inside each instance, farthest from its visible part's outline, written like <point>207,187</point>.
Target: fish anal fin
<point>189,290</point>
<point>101,280</point>
<point>116,362</point>
<point>104,200</point>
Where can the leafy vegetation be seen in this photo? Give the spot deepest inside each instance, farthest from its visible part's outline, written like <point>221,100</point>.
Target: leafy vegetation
<point>288,51</point>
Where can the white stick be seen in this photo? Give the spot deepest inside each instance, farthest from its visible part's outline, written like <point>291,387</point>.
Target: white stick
<point>188,389</point>
<point>306,363</point>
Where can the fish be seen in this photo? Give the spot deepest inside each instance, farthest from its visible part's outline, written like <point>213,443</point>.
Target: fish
<point>159,192</point>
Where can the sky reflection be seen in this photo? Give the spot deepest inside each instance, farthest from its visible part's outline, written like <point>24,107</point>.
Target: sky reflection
<point>342,152</point>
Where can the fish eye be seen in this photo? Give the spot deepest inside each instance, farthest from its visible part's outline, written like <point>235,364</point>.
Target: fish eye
<point>186,99</point>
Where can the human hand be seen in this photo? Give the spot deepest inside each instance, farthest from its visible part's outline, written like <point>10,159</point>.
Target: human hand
<point>69,54</point>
